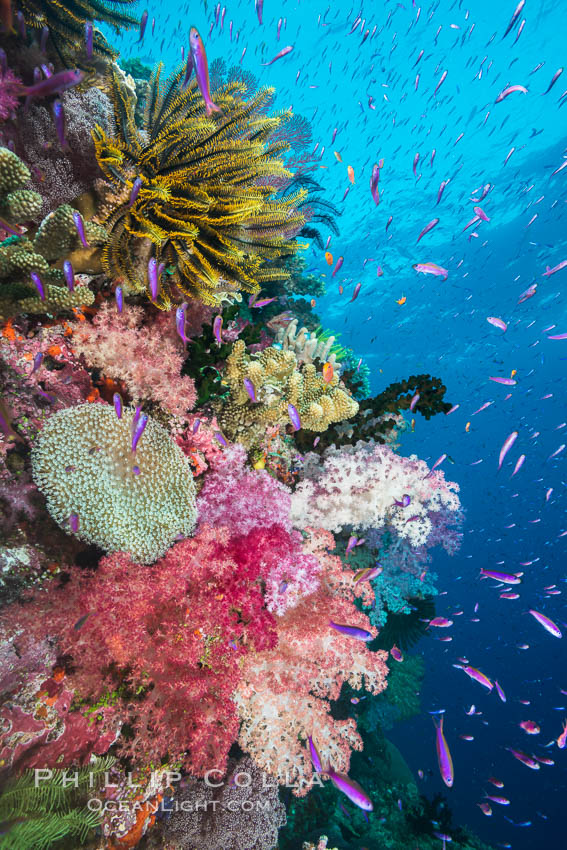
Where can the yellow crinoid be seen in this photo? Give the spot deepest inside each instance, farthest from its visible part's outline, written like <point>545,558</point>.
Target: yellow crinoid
<point>206,208</point>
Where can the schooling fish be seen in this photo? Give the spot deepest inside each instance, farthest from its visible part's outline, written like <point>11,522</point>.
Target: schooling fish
<point>351,631</point>
<point>55,84</point>
<point>279,55</point>
<point>443,753</point>
<point>338,266</point>
<point>80,226</point>
<point>547,624</point>
<point>180,321</point>
<point>431,268</point>
<point>477,676</point>
<point>507,445</point>
<point>199,56</point>
<point>554,80</point>
<point>505,578</point>
<point>498,323</point>
<point>514,18</point>
<point>351,789</point>
<point>433,223</point>
<point>510,90</point>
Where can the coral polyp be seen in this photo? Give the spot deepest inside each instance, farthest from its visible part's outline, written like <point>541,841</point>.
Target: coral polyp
<point>195,193</point>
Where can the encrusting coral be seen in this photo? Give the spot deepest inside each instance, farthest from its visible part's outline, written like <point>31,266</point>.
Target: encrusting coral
<point>194,192</point>
<point>123,500</point>
<point>278,382</point>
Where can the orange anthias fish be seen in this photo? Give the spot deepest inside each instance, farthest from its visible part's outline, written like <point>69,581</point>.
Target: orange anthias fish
<point>329,258</point>
<point>338,156</point>
<point>562,739</point>
<point>328,372</point>
<point>467,427</point>
<point>401,300</point>
<point>350,171</point>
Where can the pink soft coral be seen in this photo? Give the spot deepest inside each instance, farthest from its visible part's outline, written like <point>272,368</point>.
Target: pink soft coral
<point>283,696</point>
<point>146,357</point>
<point>9,93</point>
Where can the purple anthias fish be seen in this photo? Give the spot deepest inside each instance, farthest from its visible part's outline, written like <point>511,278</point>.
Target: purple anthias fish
<point>69,275</point>
<point>508,443</point>
<point>294,416</point>
<point>89,39</point>
<point>139,430</point>
<point>135,191</point>
<point>404,501</point>
<point>38,283</point>
<point>443,754</point>
<point>74,522</point>
<point>153,278</point>
<point>180,321</point>
<point>199,57</point>
<point>143,24</point>
<point>505,578</point>
<point>250,389</point>
<point>315,757</point>
<point>217,329</point>
<point>351,631</point>
<point>57,83</point>
<point>355,293</point>
<point>221,439</point>
<point>350,789</point>
<point>117,399</point>
<point>80,225</point>
<point>119,296</point>
<point>414,401</point>
<point>37,361</point>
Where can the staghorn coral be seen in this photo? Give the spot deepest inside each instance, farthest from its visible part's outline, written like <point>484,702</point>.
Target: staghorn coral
<point>242,813</point>
<point>278,382</point>
<point>200,210</point>
<point>358,487</point>
<point>17,204</point>
<point>129,501</point>
<point>65,24</point>
<point>145,355</point>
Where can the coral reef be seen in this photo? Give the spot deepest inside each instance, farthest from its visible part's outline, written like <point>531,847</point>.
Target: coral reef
<point>17,204</point>
<point>242,812</point>
<point>106,493</point>
<point>278,382</point>
<point>198,207</point>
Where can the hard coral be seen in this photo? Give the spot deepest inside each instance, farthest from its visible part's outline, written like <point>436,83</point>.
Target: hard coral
<point>17,204</point>
<point>137,502</point>
<point>278,382</point>
<point>199,209</point>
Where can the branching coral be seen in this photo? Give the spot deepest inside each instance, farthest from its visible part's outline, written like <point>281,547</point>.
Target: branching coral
<point>277,383</point>
<point>306,346</point>
<point>146,356</point>
<point>358,487</point>
<point>65,23</point>
<point>200,209</point>
<point>122,500</point>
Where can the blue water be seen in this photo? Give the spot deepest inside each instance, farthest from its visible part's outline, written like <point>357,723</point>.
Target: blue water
<point>442,327</point>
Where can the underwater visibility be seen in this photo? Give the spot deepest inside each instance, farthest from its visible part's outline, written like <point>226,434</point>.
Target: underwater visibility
<point>283,425</point>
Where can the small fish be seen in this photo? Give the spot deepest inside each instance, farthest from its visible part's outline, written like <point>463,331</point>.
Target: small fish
<point>351,631</point>
<point>199,57</point>
<point>528,293</point>
<point>38,283</point>
<point>328,372</point>
<point>69,275</point>
<point>55,84</point>
<point>401,300</point>
<point>554,80</point>
<point>562,739</point>
<point>329,258</point>
<point>440,83</point>
<point>510,90</point>
<point>217,329</point>
<point>415,162</point>
<point>81,621</point>
<point>134,192</point>
<point>502,801</point>
<point>250,389</point>
<point>477,676</point>
<point>529,727</point>
<point>351,789</point>
<point>485,808</point>
<point>499,691</point>
<point>524,758</point>
<point>396,654</point>
<point>259,4</point>
<point>433,223</point>
<point>143,24</point>
<point>505,578</point>
<point>548,272</point>
<point>514,18</point>
<point>338,266</point>
<point>180,319</point>
<point>315,757</point>
<point>443,753</point>
<point>117,399</point>
<point>37,361</point>
<point>153,278</point>
<point>294,417</point>
<point>80,226</point>
<point>59,121</point>
<point>519,464</point>
<point>355,293</point>
<point>508,382</point>
<point>263,302</point>
<point>441,189</point>
<point>547,624</point>
<point>350,172</point>
<point>283,52</point>
<point>481,214</point>
<point>139,430</point>
<point>351,544</point>
<point>498,323</point>
<point>367,574</point>
<point>404,501</point>
<point>119,298</point>
<point>414,402</point>
<point>441,623</point>
<point>74,522</point>
<point>431,268</point>
<point>507,445</point>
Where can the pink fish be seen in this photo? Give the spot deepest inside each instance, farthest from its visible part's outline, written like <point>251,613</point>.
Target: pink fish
<point>443,754</point>
<point>201,65</point>
<point>283,52</point>
<point>431,268</point>
<point>508,382</point>
<point>524,758</point>
<point>554,80</point>
<point>514,17</point>
<point>505,578</point>
<point>428,227</point>
<point>498,323</point>
<point>355,293</point>
<point>507,445</point>
<point>441,622</point>
<point>529,292</point>
<point>440,83</point>
<point>547,624</point>
<point>350,788</point>
<point>502,801</point>
<point>415,161</point>
<point>259,9</point>
<point>481,214</point>
<point>499,691</point>
<point>529,727</point>
<point>352,631</point>
<point>396,654</point>
<point>548,272</point>
<point>338,266</point>
<point>510,90</point>
<point>476,675</point>
<point>441,189</point>
<point>519,464</point>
